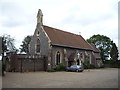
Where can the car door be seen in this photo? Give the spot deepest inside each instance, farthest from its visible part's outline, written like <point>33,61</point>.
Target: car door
<point>73,68</point>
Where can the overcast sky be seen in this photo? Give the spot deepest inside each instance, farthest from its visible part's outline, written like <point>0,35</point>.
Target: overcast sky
<point>18,17</point>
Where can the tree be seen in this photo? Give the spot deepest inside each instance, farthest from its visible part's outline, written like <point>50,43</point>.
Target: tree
<point>114,53</point>
<point>103,43</point>
<point>25,44</point>
<point>8,44</point>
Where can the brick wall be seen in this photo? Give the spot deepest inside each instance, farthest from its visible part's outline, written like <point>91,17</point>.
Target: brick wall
<point>26,62</point>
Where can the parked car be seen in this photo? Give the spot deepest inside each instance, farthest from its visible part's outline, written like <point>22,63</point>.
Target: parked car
<point>75,68</point>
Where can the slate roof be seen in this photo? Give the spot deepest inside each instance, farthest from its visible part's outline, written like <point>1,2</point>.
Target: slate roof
<point>63,38</point>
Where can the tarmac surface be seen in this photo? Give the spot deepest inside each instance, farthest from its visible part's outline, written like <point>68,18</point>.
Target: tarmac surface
<point>92,78</point>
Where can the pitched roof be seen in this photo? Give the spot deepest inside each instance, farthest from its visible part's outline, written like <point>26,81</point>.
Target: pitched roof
<point>94,48</point>
<point>68,39</point>
<point>97,56</point>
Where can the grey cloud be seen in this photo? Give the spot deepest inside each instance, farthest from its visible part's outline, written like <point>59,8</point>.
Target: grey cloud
<point>20,14</point>
<point>86,20</point>
<point>11,23</point>
<point>13,14</point>
<point>10,8</point>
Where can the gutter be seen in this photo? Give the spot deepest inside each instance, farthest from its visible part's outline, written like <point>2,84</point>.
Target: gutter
<point>70,47</point>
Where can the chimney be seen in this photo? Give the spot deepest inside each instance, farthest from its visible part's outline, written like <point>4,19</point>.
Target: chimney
<point>40,17</point>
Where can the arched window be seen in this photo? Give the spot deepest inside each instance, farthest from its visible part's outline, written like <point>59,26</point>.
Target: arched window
<point>38,33</point>
<point>58,58</point>
<point>38,46</point>
<point>89,58</point>
<point>78,62</point>
<point>81,55</point>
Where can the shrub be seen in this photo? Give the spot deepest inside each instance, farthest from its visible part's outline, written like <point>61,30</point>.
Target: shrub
<point>51,70</point>
<point>112,64</point>
<point>12,69</point>
<point>103,66</point>
<point>92,66</point>
<point>60,67</point>
<point>86,65</point>
<point>3,68</point>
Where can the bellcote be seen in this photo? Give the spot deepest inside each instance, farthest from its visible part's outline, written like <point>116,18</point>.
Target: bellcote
<point>40,17</point>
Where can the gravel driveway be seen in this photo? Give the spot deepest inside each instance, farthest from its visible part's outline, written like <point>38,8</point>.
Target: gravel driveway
<point>98,78</point>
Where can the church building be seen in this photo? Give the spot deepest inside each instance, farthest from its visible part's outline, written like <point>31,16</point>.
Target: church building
<point>62,47</point>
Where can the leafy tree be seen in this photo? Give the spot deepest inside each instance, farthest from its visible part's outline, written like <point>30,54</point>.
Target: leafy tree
<point>114,52</point>
<point>25,44</point>
<point>103,43</point>
<point>4,46</point>
<point>8,44</point>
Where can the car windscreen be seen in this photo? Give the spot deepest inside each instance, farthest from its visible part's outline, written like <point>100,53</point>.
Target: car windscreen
<point>74,66</point>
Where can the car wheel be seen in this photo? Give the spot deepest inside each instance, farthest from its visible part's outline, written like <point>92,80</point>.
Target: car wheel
<point>81,71</point>
<point>77,70</point>
<point>66,70</point>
